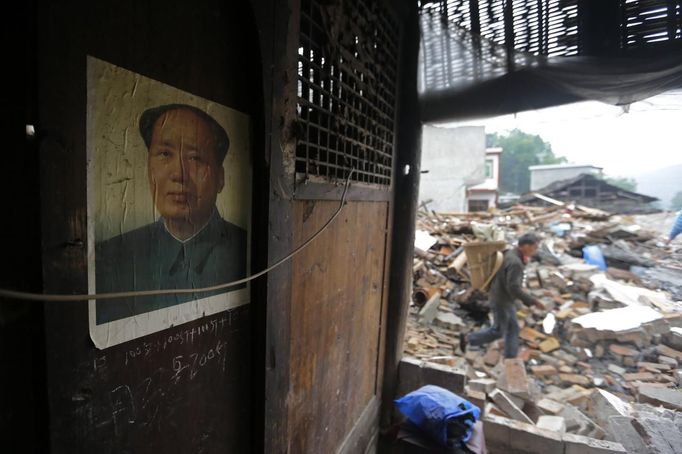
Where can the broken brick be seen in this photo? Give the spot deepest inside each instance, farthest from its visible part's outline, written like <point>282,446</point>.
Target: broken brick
<point>550,406</point>
<point>575,379</point>
<point>622,350</point>
<point>553,423</point>
<point>503,401</point>
<point>549,345</point>
<point>543,371</point>
<point>667,351</point>
<point>514,379</point>
<point>641,376</point>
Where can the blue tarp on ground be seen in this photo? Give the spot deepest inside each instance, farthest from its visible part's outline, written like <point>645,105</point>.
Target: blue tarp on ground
<point>431,408</point>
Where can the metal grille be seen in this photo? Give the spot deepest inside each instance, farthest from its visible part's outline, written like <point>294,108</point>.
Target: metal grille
<point>651,21</point>
<point>347,75</point>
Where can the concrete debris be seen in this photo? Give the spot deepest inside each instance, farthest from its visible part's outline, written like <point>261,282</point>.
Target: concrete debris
<point>603,405</point>
<point>600,343</point>
<point>618,320</point>
<point>663,397</point>
<point>485,385</point>
<point>514,379</point>
<point>553,423</point>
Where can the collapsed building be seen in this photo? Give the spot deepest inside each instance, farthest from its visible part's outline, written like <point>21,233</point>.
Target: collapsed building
<point>600,363</point>
<point>592,191</point>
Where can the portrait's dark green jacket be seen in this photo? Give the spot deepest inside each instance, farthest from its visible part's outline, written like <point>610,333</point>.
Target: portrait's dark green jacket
<point>150,258</point>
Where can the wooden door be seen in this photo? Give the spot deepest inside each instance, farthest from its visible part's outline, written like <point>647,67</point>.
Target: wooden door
<point>334,112</point>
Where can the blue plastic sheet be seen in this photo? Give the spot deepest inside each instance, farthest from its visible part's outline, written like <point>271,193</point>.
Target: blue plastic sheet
<point>431,408</point>
<point>593,255</point>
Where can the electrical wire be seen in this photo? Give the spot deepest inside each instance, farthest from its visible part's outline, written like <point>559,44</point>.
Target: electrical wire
<point>45,297</point>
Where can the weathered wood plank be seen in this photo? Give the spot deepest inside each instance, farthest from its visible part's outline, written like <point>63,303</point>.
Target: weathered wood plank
<point>337,290</point>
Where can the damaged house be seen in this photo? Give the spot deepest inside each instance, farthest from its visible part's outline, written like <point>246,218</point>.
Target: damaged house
<point>282,282</point>
<point>591,191</point>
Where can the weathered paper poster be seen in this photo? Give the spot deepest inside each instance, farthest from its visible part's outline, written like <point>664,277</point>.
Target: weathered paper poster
<point>169,203</point>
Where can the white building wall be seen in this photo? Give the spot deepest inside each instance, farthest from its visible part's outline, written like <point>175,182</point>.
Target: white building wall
<point>489,196</point>
<point>452,159</point>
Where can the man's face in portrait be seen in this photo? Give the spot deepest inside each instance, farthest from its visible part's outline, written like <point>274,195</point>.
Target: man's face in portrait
<point>185,176</point>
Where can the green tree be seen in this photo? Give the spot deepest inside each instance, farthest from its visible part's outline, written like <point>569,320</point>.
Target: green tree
<point>629,184</point>
<point>520,151</point>
<point>676,202</point>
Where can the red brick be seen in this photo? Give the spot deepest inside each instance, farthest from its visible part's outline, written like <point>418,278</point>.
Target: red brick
<point>575,379</point>
<point>641,376</point>
<point>622,350</point>
<point>667,351</point>
<point>515,380</point>
<point>542,371</point>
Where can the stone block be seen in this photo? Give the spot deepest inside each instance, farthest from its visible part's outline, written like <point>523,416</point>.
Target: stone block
<point>659,434</point>
<point>485,385</point>
<point>579,423</point>
<point>477,398</point>
<point>622,431</point>
<point>550,422</point>
<point>514,379</point>
<point>507,405</point>
<point>430,310</point>
<point>508,436</point>
<point>449,321</point>
<point>414,373</point>
<point>550,406</point>
<point>670,352</point>
<point>578,444</point>
<point>603,405</point>
<point>663,397</point>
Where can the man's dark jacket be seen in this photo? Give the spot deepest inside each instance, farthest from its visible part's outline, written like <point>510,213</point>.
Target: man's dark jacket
<point>507,285</point>
<point>149,258</point>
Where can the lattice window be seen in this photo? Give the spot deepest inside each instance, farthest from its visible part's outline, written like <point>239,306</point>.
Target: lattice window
<point>471,40</point>
<point>651,21</point>
<point>546,27</point>
<point>347,75</point>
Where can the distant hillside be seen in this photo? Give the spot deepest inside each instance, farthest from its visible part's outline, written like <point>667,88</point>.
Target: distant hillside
<point>661,183</point>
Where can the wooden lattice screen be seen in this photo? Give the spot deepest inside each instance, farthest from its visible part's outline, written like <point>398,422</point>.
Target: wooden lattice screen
<point>473,40</point>
<point>347,73</point>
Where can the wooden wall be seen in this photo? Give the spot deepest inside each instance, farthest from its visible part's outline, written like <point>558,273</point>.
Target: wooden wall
<point>301,367</point>
<point>130,397</point>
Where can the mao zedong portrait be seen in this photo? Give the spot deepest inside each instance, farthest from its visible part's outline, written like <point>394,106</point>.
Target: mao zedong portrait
<point>191,245</point>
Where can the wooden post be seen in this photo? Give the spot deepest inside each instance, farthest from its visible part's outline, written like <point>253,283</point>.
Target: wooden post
<point>406,193</point>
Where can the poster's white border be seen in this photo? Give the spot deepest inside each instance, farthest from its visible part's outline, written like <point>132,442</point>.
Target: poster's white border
<point>118,331</point>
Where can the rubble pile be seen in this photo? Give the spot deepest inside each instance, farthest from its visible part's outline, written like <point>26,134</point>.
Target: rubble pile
<point>602,359</point>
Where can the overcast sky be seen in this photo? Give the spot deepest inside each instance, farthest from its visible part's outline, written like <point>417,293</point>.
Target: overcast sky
<point>646,138</point>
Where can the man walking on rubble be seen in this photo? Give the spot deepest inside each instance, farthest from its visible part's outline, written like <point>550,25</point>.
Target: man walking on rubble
<point>505,288</point>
